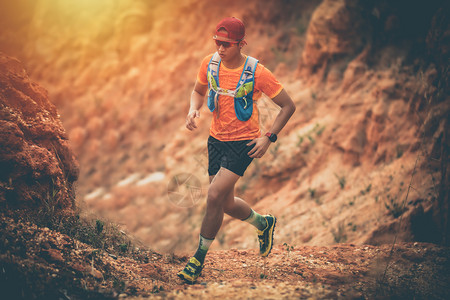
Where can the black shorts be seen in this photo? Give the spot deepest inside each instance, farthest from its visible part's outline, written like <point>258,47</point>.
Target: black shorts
<point>231,155</point>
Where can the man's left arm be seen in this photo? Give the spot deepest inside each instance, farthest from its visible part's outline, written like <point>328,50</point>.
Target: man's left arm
<point>284,101</point>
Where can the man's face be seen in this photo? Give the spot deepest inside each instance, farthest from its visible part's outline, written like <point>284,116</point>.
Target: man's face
<point>227,48</point>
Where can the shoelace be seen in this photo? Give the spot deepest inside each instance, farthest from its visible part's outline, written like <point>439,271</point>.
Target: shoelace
<point>261,240</point>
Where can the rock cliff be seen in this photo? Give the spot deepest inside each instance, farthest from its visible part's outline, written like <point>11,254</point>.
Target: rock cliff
<point>37,165</point>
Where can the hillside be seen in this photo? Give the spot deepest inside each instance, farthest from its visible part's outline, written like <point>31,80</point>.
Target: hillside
<point>364,160</point>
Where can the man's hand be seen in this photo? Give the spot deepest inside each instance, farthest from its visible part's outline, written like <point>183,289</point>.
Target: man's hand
<point>261,146</point>
<point>190,119</point>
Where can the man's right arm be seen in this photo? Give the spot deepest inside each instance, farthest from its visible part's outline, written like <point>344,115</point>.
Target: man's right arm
<point>197,98</point>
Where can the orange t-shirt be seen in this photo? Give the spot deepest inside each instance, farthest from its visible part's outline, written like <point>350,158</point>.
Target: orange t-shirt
<point>225,125</point>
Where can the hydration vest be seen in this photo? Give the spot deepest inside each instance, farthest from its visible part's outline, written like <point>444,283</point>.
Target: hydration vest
<point>243,94</point>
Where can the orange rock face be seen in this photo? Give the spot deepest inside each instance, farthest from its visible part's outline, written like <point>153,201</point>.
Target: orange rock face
<point>36,162</point>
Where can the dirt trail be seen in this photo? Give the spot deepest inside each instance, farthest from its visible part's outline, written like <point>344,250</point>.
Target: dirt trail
<point>343,271</point>
<point>39,262</point>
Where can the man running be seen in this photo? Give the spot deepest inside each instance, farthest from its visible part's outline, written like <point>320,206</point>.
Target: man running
<point>234,83</point>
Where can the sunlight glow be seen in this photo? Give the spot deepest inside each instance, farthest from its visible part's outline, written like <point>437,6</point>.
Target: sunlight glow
<point>93,22</point>
<point>84,6</point>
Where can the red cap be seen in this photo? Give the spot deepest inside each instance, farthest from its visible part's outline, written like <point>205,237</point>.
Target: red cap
<point>234,27</point>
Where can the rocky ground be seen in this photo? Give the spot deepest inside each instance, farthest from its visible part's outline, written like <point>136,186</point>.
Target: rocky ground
<point>41,263</point>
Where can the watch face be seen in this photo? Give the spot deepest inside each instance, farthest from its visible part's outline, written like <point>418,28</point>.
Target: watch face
<point>272,136</point>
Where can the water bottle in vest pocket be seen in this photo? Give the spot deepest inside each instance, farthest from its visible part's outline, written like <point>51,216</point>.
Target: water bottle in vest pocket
<point>243,94</point>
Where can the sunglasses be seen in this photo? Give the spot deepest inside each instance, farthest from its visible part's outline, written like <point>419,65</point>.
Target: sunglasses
<point>225,44</point>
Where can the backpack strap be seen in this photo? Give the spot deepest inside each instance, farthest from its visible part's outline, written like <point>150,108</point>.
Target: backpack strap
<point>212,75</point>
<point>248,73</point>
<point>213,71</point>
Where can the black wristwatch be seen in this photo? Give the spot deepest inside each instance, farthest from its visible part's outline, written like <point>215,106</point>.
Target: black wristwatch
<point>272,137</point>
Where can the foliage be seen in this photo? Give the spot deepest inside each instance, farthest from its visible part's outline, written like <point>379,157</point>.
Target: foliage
<point>97,233</point>
<point>288,248</point>
<point>394,207</point>
<point>317,130</point>
<point>366,190</point>
<point>341,180</point>
<point>339,235</point>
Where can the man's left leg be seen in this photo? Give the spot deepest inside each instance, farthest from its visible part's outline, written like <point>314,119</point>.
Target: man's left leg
<point>265,225</point>
<point>239,209</point>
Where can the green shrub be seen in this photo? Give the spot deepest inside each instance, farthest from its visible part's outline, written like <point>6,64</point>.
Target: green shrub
<point>394,208</point>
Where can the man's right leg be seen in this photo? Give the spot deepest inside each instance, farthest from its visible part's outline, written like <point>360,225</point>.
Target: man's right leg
<point>223,182</point>
<point>221,186</point>
<point>239,209</point>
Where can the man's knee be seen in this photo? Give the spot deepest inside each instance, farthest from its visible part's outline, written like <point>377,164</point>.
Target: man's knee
<point>229,206</point>
<point>215,197</point>
<point>228,210</point>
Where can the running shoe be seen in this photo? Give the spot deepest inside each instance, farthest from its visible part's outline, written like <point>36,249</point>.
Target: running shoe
<point>266,236</point>
<point>192,270</point>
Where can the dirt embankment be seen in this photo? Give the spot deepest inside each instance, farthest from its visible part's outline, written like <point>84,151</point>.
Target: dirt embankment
<point>36,162</point>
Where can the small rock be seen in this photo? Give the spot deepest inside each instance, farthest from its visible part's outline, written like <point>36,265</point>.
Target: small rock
<point>78,267</point>
<point>52,255</point>
<point>95,273</point>
<point>45,245</point>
